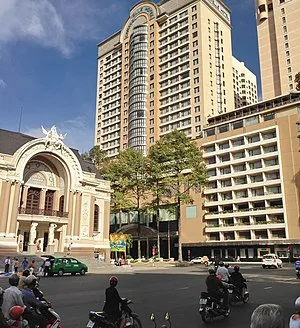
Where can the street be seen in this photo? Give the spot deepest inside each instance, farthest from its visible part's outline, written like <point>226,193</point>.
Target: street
<point>168,289</point>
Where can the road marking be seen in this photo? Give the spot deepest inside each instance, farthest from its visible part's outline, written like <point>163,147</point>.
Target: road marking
<point>182,288</point>
<point>268,287</point>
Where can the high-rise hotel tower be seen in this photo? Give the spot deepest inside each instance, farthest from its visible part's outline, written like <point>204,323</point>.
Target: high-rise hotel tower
<point>170,67</point>
<point>279,47</point>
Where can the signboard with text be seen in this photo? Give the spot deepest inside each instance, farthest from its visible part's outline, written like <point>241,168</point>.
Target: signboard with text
<point>117,242</point>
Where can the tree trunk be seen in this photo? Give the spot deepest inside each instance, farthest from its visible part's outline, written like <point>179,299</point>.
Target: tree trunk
<point>157,227</point>
<point>139,232</point>
<point>169,241</point>
<point>148,253</point>
<point>179,231</point>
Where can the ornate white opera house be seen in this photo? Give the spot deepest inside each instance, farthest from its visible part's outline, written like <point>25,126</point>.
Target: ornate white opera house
<point>50,198</point>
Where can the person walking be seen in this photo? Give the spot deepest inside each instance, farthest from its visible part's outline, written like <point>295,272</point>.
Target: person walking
<point>32,267</point>
<point>47,267</point>
<point>25,263</point>
<point>7,264</point>
<point>16,265</point>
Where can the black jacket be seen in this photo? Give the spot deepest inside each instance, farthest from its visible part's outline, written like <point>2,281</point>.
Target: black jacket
<point>237,279</point>
<point>112,302</point>
<point>214,285</point>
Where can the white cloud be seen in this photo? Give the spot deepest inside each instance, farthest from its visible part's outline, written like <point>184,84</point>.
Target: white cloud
<point>79,134</point>
<point>56,24</point>
<point>2,84</point>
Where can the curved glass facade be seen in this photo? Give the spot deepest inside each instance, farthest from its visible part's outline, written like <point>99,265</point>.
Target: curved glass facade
<point>138,88</point>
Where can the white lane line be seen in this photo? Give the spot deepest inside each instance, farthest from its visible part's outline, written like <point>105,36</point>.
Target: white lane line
<point>268,287</point>
<point>182,288</point>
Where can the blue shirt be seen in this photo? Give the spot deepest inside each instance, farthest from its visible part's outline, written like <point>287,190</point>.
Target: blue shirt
<point>297,264</point>
<point>30,299</point>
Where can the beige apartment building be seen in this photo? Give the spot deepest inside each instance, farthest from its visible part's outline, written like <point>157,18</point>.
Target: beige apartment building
<point>279,47</point>
<point>170,67</point>
<point>251,204</point>
<point>50,198</point>
<point>244,84</point>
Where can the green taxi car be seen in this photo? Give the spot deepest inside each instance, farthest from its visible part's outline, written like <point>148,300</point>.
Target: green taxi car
<point>62,265</point>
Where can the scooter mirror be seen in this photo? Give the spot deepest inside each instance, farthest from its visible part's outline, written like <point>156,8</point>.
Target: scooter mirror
<point>167,316</point>
<point>152,317</point>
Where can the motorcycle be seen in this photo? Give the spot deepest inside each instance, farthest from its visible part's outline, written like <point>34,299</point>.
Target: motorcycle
<point>238,296</point>
<point>104,320</point>
<point>53,319</point>
<point>298,273</point>
<point>167,318</point>
<point>211,308</point>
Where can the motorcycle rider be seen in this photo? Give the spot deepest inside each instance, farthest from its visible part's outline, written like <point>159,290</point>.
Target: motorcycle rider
<point>12,295</point>
<point>295,318</point>
<point>222,271</point>
<point>229,268</point>
<point>32,313</point>
<point>113,301</point>
<point>16,319</point>
<point>297,264</point>
<point>238,280</point>
<point>216,289</point>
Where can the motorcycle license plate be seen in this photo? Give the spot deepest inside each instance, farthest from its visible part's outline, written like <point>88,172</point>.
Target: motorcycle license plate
<point>90,324</point>
<point>203,301</point>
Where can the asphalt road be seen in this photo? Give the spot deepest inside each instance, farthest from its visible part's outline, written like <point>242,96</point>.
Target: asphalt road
<point>175,290</point>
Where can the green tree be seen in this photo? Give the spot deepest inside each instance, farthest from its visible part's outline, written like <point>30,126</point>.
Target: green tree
<point>97,156</point>
<point>297,81</point>
<point>158,184</point>
<point>128,173</point>
<point>182,163</point>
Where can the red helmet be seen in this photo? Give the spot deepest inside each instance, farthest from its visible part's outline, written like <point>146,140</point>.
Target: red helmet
<point>236,268</point>
<point>113,281</point>
<point>16,312</point>
<point>219,277</point>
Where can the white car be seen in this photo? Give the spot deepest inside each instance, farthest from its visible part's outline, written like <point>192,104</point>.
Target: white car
<point>271,260</point>
<point>197,260</point>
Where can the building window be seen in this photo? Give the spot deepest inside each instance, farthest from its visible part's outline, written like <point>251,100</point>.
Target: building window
<point>194,26</point>
<point>49,202</point>
<point>96,218</point>
<point>152,140</point>
<point>191,212</point>
<point>194,8</point>
<point>195,34</point>
<point>194,17</point>
<point>33,201</point>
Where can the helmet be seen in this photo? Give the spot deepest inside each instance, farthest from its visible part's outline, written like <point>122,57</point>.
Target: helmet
<point>30,280</point>
<point>297,304</point>
<point>211,271</point>
<point>26,273</point>
<point>113,281</point>
<point>219,277</point>
<point>236,268</point>
<point>16,311</point>
<point>226,265</point>
<point>14,280</point>
<point>221,263</point>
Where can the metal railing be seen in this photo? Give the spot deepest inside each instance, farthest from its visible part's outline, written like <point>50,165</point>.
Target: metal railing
<point>43,212</point>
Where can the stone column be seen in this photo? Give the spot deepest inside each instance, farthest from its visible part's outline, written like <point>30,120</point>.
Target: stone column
<point>92,210</point>
<point>77,216</point>
<point>42,199</point>
<point>70,210</point>
<point>106,220</point>
<point>11,227</point>
<point>51,244</point>
<point>24,196</point>
<point>4,204</point>
<point>32,237</point>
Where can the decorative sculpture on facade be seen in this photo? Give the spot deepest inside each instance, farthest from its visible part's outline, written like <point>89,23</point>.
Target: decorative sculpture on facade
<point>51,233</point>
<point>32,233</point>
<point>52,138</point>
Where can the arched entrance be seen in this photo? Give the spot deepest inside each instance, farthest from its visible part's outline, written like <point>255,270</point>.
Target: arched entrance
<point>43,218</point>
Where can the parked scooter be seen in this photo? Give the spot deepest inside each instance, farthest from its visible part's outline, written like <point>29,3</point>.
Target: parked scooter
<point>53,319</point>
<point>211,308</point>
<point>167,318</point>
<point>103,320</point>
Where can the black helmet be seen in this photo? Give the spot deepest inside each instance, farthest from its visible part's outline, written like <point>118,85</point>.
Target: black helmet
<point>211,271</point>
<point>221,263</point>
<point>26,273</point>
<point>14,280</point>
<point>113,281</point>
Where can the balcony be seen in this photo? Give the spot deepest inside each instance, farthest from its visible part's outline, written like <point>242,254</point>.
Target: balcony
<point>42,212</point>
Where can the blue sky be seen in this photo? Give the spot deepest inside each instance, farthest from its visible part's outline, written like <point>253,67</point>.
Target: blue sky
<point>48,60</point>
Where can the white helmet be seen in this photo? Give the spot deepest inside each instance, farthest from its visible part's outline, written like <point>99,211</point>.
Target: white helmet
<point>297,304</point>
